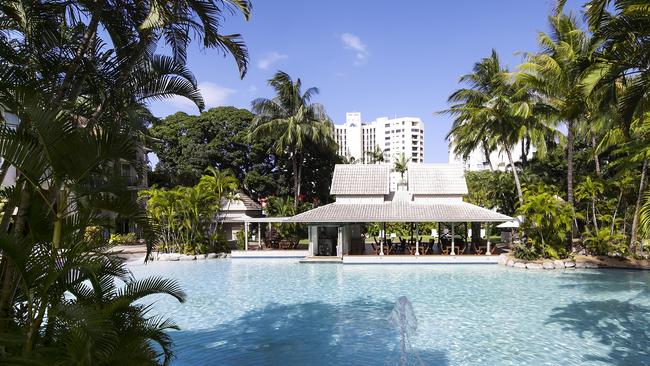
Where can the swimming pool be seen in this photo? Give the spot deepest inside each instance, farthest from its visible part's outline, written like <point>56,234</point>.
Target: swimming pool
<point>280,312</point>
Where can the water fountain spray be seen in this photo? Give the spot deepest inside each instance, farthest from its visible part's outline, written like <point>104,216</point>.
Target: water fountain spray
<point>403,318</point>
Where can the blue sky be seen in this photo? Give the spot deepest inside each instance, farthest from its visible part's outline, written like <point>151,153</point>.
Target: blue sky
<point>380,58</point>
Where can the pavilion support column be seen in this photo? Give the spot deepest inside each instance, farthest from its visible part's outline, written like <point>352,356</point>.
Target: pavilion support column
<point>487,233</point>
<point>246,236</point>
<point>381,244</point>
<point>417,242</point>
<point>259,236</point>
<point>453,244</point>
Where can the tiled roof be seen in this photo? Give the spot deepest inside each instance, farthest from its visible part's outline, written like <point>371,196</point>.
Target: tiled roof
<point>400,211</point>
<point>242,202</point>
<point>360,179</point>
<point>436,179</point>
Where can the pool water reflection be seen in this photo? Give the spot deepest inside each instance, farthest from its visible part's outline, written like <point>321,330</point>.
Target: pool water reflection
<point>280,312</point>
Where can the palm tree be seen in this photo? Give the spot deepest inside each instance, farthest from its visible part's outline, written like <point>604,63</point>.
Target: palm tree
<point>493,113</point>
<point>590,189</point>
<point>555,76</point>
<point>401,165</point>
<point>375,156</point>
<point>81,97</point>
<point>294,120</point>
<point>620,75</point>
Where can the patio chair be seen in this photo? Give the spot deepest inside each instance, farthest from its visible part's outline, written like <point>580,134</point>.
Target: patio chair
<point>478,249</point>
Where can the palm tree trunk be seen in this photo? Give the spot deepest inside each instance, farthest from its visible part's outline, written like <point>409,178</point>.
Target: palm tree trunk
<point>488,159</point>
<point>299,178</point>
<point>569,158</point>
<point>639,198</point>
<point>516,175</point>
<point>9,279</point>
<point>596,159</point>
<point>593,212</point>
<point>296,179</point>
<point>618,203</point>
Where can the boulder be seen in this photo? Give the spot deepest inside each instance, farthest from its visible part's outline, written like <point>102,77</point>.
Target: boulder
<point>503,259</point>
<point>569,264</point>
<point>169,257</point>
<point>548,265</point>
<point>520,265</point>
<point>532,265</point>
<point>558,264</point>
<point>200,256</point>
<point>211,256</point>
<point>510,263</point>
<point>187,258</point>
<point>581,265</point>
<point>590,265</point>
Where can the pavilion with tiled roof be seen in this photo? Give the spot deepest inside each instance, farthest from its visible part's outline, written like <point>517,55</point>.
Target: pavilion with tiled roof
<point>430,193</point>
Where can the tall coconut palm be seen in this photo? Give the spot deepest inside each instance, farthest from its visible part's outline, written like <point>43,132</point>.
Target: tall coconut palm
<point>491,114</point>
<point>621,65</point>
<point>293,120</point>
<point>556,74</point>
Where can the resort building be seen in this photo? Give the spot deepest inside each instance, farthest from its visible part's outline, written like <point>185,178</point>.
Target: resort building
<point>432,193</point>
<point>235,212</point>
<point>477,159</point>
<point>133,176</point>
<point>396,136</point>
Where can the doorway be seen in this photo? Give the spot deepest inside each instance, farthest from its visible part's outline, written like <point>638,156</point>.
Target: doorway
<point>327,241</point>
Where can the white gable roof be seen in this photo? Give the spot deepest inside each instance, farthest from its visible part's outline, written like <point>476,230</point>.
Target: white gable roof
<point>436,179</point>
<point>361,179</point>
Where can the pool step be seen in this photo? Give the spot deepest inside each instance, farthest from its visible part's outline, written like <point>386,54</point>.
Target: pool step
<point>321,259</point>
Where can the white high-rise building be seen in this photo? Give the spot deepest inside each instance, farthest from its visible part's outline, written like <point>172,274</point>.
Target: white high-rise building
<point>499,159</point>
<point>395,136</point>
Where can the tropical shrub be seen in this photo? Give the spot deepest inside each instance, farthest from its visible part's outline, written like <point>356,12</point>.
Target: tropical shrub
<point>189,218</point>
<point>604,242</point>
<point>283,207</point>
<point>123,239</point>
<point>94,234</point>
<point>529,251</point>
<point>547,220</point>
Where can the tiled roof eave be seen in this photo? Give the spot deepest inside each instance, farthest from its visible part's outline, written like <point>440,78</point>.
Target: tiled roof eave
<point>399,212</point>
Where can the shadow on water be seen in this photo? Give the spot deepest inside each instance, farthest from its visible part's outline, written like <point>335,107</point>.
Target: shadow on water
<point>610,280</point>
<point>620,325</point>
<point>315,333</point>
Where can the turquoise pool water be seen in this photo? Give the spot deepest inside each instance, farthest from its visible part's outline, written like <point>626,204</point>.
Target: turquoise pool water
<point>280,312</point>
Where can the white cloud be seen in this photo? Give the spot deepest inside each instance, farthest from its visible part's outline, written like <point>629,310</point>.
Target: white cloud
<point>213,96</point>
<point>269,59</point>
<point>352,42</point>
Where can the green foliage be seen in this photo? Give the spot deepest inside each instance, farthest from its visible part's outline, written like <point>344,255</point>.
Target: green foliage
<point>401,165</point>
<point>529,251</point>
<point>123,239</point>
<point>548,219</point>
<point>189,217</point>
<point>94,235</point>
<point>284,207</point>
<point>293,122</point>
<point>79,76</point>
<point>604,242</point>
<point>216,138</point>
<point>493,190</point>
